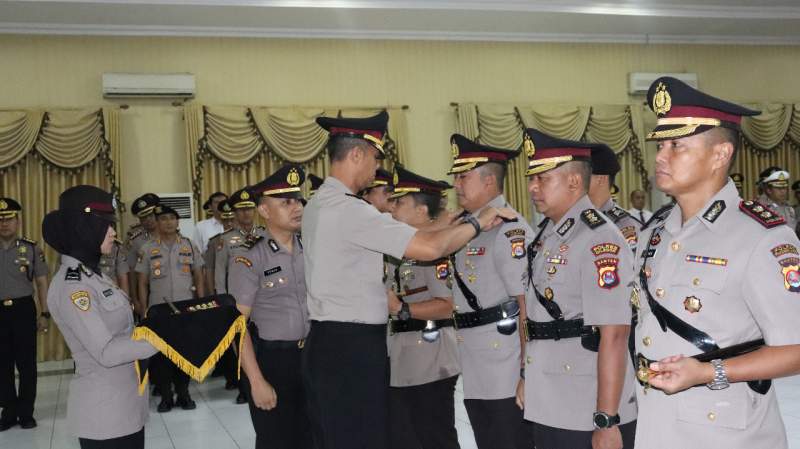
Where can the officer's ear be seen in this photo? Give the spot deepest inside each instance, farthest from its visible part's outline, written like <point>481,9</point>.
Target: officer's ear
<point>263,208</point>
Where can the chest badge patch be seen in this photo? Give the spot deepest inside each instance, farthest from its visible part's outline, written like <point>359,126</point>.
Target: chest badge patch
<point>81,300</point>
<point>607,276</point>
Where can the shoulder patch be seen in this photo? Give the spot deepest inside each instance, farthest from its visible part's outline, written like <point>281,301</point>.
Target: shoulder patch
<point>790,268</point>
<point>630,234</point>
<point>518,232</point>
<point>592,218</point>
<point>714,211</point>
<point>605,248</point>
<point>564,228</point>
<point>442,269</point>
<point>784,249</point>
<point>518,248</point>
<point>81,300</point>
<point>761,213</point>
<point>243,260</point>
<point>617,213</point>
<point>73,274</point>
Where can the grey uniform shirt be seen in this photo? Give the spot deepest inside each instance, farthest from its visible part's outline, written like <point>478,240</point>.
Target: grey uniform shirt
<point>210,254</point>
<point>169,269</point>
<point>586,268</point>
<point>345,238</point>
<point>95,318</point>
<point>493,265</point>
<point>784,210</point>
<point>227,243</point>
<point>271,281</point>
<point>134,244</point>
<point>414,361</point>
<point>627,224</point>
<point>20,264</point>
<point>723,273</point>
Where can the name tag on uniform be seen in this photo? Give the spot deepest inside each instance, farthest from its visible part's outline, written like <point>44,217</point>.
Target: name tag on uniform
<point>108,292</point>
<point>649,253</point>
<point>272,270</point>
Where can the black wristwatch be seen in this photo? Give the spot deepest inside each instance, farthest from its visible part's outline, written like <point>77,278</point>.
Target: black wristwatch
<point>604,420</point>
<point>405,312</point>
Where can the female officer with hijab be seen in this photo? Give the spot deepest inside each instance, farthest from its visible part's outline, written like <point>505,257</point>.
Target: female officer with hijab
<point>104,408</point>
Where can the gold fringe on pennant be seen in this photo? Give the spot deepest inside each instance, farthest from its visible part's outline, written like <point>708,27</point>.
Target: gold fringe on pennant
<point>143,383</point>
<point>197,373</point>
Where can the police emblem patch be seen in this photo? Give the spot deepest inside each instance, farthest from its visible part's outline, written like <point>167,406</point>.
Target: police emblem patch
<point>442,270</point>
<point>81,300</point>
<point>607,276</point>
<point>518,248</point>
<point>790,268</point>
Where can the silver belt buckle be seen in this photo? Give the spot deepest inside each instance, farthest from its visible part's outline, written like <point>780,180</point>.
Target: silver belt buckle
<point>431,332</point>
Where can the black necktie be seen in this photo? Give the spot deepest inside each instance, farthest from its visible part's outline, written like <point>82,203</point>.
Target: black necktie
<point>641,216</point>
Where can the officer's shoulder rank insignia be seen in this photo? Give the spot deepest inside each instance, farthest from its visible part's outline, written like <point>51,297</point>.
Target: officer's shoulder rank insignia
<point>782,250</point>
<point>518,248</point>
<point>27,240</point>
<point>81,300</point>
<point>592,218</point>
<point>617,213</point>
<point>243,260</point>
<point>714,211</point>
<point>790,267</point>
<point>564,228</point>
<point>607,276</point>
<point>73,274</point>
<point>761,213</point>
<point>442,269</point>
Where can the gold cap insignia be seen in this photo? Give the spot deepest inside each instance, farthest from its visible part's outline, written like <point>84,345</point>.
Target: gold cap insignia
<point>396,179</point>
<point>527,144</point>
<point>293,178</point>
<point>245,195</point>
<point>3,205</point>
<point>662,102</point>
<point>454,150</point>
<point>781,176</point>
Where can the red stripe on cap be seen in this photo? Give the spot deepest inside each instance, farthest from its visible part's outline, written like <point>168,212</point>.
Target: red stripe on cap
<point>376,134</point>
<point>101,207</point>
<point>701,112</point>
<point>547,153</point>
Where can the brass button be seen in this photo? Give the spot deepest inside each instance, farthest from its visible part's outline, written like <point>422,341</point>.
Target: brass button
<point>696,281</point>
<point>567,368</point>
<point>529,360</point>
<point>711,416</point>
<point>675,246</point>
<point>647,341</point>
<point>660,292</point>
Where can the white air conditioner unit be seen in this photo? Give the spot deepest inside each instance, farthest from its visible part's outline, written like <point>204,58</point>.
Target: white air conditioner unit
<point>639,82</point>
<point>184,205</point>
<point>148,85</point>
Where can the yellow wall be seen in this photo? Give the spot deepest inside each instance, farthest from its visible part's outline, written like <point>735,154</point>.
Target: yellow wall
<point>66,71</point>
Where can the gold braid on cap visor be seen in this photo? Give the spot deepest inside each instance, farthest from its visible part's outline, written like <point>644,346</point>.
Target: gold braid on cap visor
<point>690,125</point>
<point>468,164</point>
<point>543,165</point>
<point>279,191</point>
<point>375,141</point>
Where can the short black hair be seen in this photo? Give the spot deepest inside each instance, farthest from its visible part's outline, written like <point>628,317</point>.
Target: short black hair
<point>339,147</point>
<point>433,201</point>
<point>496,170</point>
<point>721,133</point>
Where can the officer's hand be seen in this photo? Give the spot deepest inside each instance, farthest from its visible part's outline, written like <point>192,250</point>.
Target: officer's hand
<point>677,373</point>
<point>394,303</point>
<point>447,218</point>
<point>41,324</point>
<point>264,396</point>
<point>521,394</point>
<point>493,216</point>
<point>607,438</point>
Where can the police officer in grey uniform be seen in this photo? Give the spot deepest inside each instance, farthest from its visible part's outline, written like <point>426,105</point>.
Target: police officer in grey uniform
<point>489,293</point>
<point>115,266</point>
<point>227,218</point>
<point>775,185</point>
<point>578,388</point>
<point>142,208</point>
<point>379,193</point>
<point>718,286</point>
<point>22,265</point>
<point>267,279</point>
<point>170,268</point>
<point>605,167</point>
<point>423,352</point>
<point>344,239</point>
<point>104,408</point>
<point>244,232</point>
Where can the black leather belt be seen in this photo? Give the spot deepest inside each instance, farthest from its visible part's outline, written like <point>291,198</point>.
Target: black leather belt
<point>508,309</point>
<point>8,302</point>
<point>555,330</point>
<point>281,344</point>
<point>414,325</point>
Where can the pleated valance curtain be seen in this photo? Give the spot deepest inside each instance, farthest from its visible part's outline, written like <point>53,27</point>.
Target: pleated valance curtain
<point>42,153</point>
<point>233,146</point>
<point>502,125</point>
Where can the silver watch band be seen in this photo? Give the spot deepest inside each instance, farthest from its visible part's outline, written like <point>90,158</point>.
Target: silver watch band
<point>720,381</point>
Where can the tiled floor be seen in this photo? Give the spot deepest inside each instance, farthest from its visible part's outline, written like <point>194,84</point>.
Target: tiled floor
<point>219,423</point>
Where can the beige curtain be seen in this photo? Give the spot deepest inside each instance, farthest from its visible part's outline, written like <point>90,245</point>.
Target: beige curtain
<point>230,147</point>
<point>502,125</point>
<point>44,152</point>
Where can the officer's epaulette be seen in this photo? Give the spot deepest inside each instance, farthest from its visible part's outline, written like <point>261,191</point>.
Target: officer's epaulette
<point>592,218</point>
<point>262,227</point>
<point>27,240</point>
<point>73,274</point>
<point>133,229</point>
<point>617,213</point>
<point>359,197</point>
<point>133,235</point>
<point>249,243</point>
<point>761,213</point>
<point>659,215</point>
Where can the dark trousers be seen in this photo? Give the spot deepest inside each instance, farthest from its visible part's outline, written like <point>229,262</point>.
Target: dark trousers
<point>345,372</point>
<point>287,425</point>
<point>423,416</point>
<point>553,438</point>
<point>18,348</point>
<point>132,441</point>
<point>498,424</point>
<point>165,374</point>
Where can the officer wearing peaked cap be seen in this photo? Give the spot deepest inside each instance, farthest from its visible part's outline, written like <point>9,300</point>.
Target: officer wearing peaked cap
<point>578,382</point>
<point>210,255</point>
<point>142,208</point>
<point>245,233</point>
<point>717,277</point>
<point>774,183</point>
<point>489,293</point>
<point>267,279</point>
<point>605,167</point>
<point>22,266</point>
<point>423,351</point>
<point>344,362</point>
<point>379,191</point>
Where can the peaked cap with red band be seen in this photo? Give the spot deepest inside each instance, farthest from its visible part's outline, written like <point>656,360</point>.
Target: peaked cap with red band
<point>406,181</point>
<point>546,152</point>
<point>372,129</point>
<point>685,111</point>
<point>284,183</point>
<point>468,154</point>
<point>89,200</point>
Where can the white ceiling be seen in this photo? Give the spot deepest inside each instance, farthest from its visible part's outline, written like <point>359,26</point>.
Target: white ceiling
<point>643,21</point>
